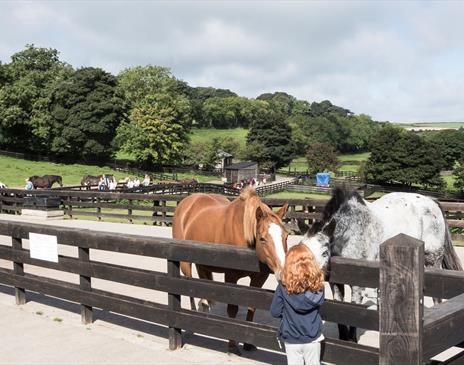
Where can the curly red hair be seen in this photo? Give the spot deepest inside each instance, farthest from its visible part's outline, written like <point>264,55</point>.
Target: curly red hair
<point>301,272</point>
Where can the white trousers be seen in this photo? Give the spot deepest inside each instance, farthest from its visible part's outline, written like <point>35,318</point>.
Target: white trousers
<point>303,353</point>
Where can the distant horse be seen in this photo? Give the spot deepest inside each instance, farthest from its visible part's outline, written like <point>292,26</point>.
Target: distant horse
<point>244,222</point>
<point>45,181</point>
<point>89,180</point>
<point>353,227</point>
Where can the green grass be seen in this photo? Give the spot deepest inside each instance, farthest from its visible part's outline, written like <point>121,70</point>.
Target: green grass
<point>449,180</point>
<point>14,171</point>
<point>354,168</point>
<point>354,156</point>
<point>454,125</point>
<point>297,195</point>
<point>206,134</point>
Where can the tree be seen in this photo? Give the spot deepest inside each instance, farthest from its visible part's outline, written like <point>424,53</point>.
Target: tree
<point>86,110</point>
<point>458,174</point>
<point>398,156</point>
<point>136,83</point>
<point>451,144</point>
<point>321,157</point>
<point>199,95</point>
<point>157,130</point>
<point>26,86</point>
<point>206,153</point>
<point>279,101</point>
<point>269,140</point>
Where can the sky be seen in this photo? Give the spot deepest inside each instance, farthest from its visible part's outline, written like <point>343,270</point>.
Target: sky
<point>401,61</point>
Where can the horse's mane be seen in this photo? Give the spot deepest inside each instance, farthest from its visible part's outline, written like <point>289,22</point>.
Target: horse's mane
<point>340,195</point>
<point>252,203</point>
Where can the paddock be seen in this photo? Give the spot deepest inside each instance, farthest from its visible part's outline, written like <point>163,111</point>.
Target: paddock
<point>110,290</point>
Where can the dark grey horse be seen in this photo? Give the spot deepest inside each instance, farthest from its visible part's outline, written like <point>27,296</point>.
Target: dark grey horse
<point>46,181</point>
<point>353,227</point>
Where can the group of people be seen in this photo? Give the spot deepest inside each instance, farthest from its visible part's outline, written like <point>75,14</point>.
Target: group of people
<point>107,183</point>
<point>136,182</point>
<point>249,182</point>
<point>296,302</point>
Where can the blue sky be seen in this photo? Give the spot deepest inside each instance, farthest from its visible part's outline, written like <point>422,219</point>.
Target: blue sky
<point>399,61</point>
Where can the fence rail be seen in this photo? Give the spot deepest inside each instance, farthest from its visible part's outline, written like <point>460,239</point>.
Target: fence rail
<point>158,209</point>
<point>442,320</point>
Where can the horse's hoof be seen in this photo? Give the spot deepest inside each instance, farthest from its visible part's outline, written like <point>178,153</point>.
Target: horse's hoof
<point>234,350</point>
<point>249,347</point>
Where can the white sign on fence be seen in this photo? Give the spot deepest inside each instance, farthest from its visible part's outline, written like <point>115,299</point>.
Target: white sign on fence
<point>43,247</point>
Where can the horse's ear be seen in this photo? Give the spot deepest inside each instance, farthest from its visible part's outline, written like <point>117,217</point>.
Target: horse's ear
<point>281,212</point>
<point>260,214</point>
<point>329,228</point>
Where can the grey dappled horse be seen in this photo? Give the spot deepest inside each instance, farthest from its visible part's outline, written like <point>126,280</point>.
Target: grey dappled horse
<point>354,228</point>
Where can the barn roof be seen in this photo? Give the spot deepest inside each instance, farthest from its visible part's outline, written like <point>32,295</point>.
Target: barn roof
<point>242,165</point>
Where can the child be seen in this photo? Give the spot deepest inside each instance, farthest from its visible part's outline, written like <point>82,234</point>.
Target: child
<point>296,301</point>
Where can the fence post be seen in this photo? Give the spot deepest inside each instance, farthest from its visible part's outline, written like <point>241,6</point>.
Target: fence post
<point>129,211</point>
<point>99,209</point>
<point>85,283</point>
<point>175,334</point>
<point>18,268</point>
<point>401,300</point>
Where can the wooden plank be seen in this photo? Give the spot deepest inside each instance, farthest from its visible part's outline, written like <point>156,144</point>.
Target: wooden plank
<point>85,283</point>
<point>354,272</point>
<point>348,353</point>
<point>443,283</point>
<point>219,255</point>
<point>401,300</point>
<point>18,268</point>
<point>446,323</point>
<point>437,282</point>
<point>175,334</point>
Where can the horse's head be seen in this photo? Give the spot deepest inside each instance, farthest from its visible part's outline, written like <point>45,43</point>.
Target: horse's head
<point>271,238</point>
<point>317,239</point>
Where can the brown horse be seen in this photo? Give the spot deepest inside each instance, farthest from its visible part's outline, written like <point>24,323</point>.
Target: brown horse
<point>244,222</point>
<point>45,181</point>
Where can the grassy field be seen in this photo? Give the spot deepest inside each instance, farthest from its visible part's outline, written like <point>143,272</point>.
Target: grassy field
<point>297,195</point>
<point>300,164</point>
<point>454,125</point>
<point>14,171</point>
<point>204,135</point>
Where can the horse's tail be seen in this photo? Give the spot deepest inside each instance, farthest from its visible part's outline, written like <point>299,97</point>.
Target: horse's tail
<point>451,260</point>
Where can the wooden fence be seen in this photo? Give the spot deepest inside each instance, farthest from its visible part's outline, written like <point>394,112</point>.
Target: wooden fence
<point>158,209</point>
<point>409,333</point>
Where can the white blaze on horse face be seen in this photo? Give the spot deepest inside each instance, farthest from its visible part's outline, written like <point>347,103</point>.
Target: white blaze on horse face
<point>276,233</point>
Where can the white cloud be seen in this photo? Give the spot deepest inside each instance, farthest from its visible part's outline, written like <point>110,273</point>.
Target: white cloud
<point>396,61</point>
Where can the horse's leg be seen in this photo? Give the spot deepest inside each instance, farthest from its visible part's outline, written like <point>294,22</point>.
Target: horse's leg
<point>232,309</point>
<point>338,291</point>
<point>205,304</point>
<point>257,281</point>
<point>356,297</point>
<point>186,268</point>
<point>438,264</point>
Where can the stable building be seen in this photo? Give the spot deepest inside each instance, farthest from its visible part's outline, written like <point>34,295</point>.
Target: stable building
<point>241,171</point>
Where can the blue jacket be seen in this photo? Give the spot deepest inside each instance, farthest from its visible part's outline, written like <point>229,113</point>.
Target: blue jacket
<point>301,322</point>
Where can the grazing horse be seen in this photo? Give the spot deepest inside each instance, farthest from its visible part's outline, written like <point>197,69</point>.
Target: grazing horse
<point>45,181</point>
<point>89,180</point>
<point>244,222</point>
<point>353,227</point>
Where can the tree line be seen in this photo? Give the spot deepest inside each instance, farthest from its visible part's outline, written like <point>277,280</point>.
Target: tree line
<point>48,107</point>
